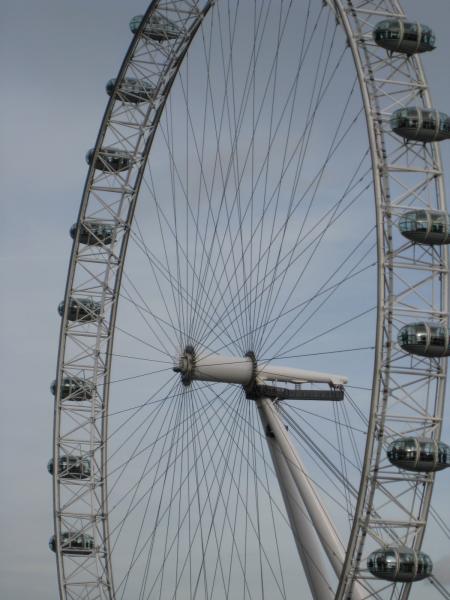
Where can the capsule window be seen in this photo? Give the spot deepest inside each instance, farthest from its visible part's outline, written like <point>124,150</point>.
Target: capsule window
<point>414,334</point>
<point>438,223</point>
<point>427,452</point>
<point>410,32</point>
<point>407,563</point>
<point>438,337</point>
<point>426,565</point>
<point>444,123</point>
<point>429,120</point>
<point>421,221</point>
<point>388,30</point>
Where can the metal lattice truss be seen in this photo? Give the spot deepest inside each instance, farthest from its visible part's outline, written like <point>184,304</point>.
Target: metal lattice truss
<point>408,391</point>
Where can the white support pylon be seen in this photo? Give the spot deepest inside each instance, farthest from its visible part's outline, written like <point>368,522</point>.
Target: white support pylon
<point>306,540</point>
<point>319,517</point>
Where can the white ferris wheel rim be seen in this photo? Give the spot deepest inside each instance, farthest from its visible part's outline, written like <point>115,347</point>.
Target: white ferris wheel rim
<point>355,23</point>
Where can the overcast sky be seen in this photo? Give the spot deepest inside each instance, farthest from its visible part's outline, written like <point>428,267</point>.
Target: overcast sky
<point>56,57</point>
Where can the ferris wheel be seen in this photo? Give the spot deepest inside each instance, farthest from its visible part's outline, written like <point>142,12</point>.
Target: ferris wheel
<point>252,360</point>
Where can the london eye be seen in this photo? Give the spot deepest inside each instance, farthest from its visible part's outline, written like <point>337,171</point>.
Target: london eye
<point>254,334</point>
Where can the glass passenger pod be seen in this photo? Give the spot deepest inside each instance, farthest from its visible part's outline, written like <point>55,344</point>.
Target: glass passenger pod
<point>84,310</point>
<point>110,160</point>
<point>73,542</point>
<point>425,226</point>
<point>74,388</point>
<point>420,124</point>
<point>425,339</point>
<point>399,564</point>
<point>132,90</point>
<point>395,35</point>
<point>92,234</point>
<point>71,467</point>
<point>158,27</point>
<point>420,455</point>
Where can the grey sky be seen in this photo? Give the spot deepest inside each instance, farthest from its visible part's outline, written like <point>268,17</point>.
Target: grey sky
<point>56,57</point>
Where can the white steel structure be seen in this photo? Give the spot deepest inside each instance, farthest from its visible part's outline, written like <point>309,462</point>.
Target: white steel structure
<point>201,445</point>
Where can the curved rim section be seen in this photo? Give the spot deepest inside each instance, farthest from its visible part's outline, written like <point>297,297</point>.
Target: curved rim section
<point>403,177</point>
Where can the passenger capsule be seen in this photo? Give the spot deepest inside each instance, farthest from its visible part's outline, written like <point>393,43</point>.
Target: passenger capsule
<point>399,564</point>
<point>425,226</point>
<point>158,28</point>
<point>420,124</point>
<point>74,388</point>
<point>396,35</point>
<point>422,455</point>
<point>425,339</point>
<point>131,90</point>
<point>73,542</point>
<point>110,160</point>
<point>84,310</point>
<point>71,467</point>
<point>92,234</point>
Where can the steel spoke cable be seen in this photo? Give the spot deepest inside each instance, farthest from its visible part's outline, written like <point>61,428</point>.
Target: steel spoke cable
<point>149,402</point>
<point>255,526</point>
<point>228,173</point>
<point>190,503</point>
<point>310,119</point>
<point>324,418</point>
<point>343,463</point>
<point>144,342</point>
<point>140,450</point>
<point>198,232</point>
<point>120,526</point>
<point>355,270</point>
<point>274,528</point>
<point>156,479</point>
<point>141,527</point>
<point>312,229</point>
<point>260,173</point>
<point>234,136</point>
<point>143,358</point>
<point>260,220</point>
<point>233,169</point>
<point>138,410</point>
<point>330,294</point>
<point>161,516</point>
<point>254,430</point>
<point>240,443</point>
<point>172,496</point>
<point>219,542</point>
<point>305,302</point>
<point>121,468</point>
<point>207,54</point>
<point>262,168</point>
<point>218,129</point>
<point>166,128</point>
<point>269,308</point>
<point>335,351</point>
<point>225,459</point>
<point>305,237</point>
<point>143,310</point>
<point>186,297</point>
<point>167,370</point>
<point>265,186</point>
<point>175,282</point>
<point>325,464</point>
<point>250,449</point>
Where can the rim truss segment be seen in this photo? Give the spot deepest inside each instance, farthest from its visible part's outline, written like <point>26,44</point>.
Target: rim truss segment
<point>85,349</point>
<point>408,392</point>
